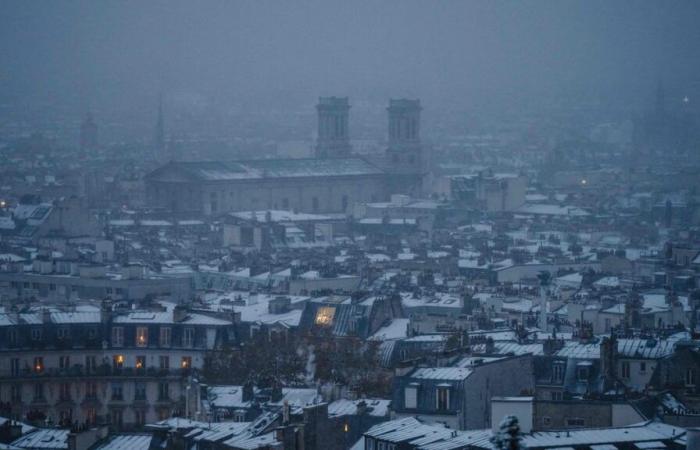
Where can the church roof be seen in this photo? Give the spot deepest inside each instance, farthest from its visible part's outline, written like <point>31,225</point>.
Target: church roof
<point>263,168</point>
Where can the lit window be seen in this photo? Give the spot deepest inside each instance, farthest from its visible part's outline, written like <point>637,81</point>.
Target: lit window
<point>38,364</point>
<point>324,316</point>
<point>140,362</point>
<point>118,361</point>
<point>141,336</point>
<point>186,362</point>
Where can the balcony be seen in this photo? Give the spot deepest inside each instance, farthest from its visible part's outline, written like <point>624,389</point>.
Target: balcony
<point>104,370</point>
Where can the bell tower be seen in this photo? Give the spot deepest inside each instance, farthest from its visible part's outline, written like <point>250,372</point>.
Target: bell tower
<point>333,135</point>
<point>405,151</point>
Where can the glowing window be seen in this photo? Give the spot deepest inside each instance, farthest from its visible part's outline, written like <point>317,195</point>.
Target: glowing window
<point>324,316</point>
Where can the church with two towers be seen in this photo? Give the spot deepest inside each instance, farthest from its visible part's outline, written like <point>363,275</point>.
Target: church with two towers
<point>330,182</point>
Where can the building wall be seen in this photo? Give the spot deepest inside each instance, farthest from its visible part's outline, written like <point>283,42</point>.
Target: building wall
<point>522,408</point>
<point>508,377</point>
<point>305,194</point>
<point>62,287</point>
<point>557,415</point>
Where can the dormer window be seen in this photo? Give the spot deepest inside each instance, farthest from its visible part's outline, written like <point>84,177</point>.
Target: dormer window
<point>36,334</point>
<point>442,398</point>
<point>558,371</point>
<point>582,372</point>
<point>62,333</point>
<point>117,336</point>
<point>188,337</point>
<point>411,396</point>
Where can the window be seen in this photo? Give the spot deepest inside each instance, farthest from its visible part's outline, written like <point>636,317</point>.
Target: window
<point>546,421</point>
<point>91,390</point>
<point>558,371</point>
<point>12,337</point>
<point>64,362</point>
<point>91,416</point>
<point>38,364</point>
<point>16,392</point>
<point>642,367</point>
<point>163,390</point>
<point>117,336</point>
<point>285,203</point>
<point>140,417</point>
<point>90,363</point>
<point>62,333</point>
<point>575,422</point>
<point>64,392</point>
<point>324,316</point>
<point>314,204</point>
<point>186,362</point>
<point>92,333</point>
<point>165,362</point>
<point>411,397</point>
<point>140,391</point>
<point>625,369</point>
<point>690,377</point>
<point>14,367</point>
<point>117,391</point>
<point>38,391</point>
<point>582,373</point>
<point>118,361</point>
<point>141,336</point>
<point>556,396</point>
<point>36,334</point>
<point>165,336</point>
<point>344,203</point>
<point>188,337</point>
<point>443,398</point>
<point>116,417</point>
<point>140,362</point>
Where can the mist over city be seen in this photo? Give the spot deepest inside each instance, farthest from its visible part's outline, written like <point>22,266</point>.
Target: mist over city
<point>366,225</point>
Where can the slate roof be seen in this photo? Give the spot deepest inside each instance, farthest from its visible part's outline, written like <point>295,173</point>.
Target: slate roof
<point>127,442</point>
<point>263,168</point>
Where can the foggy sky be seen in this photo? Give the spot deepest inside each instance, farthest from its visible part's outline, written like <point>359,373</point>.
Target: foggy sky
<point>117,52</point>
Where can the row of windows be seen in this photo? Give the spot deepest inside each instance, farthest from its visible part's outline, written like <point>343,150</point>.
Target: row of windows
<point>64,363</point>
<point>315,203</point>
<point>116,392</point>
<point>142,338</point>
<point>62,287</point>
<point>442,398</point>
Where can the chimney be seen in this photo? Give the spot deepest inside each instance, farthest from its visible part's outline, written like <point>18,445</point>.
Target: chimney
<point>285,412</point>
<point>179,313</point>
<point>276,393</point>
<point>248,392</point>
<point>693,438</point>
<point>361,408</point>
<point>551,346</point>
<point>45,315</point>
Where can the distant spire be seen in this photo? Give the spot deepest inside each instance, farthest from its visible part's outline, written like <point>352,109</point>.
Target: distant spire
<point>160,131</point>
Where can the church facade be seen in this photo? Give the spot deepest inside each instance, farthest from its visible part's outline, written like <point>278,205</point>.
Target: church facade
<point>331,182</point>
